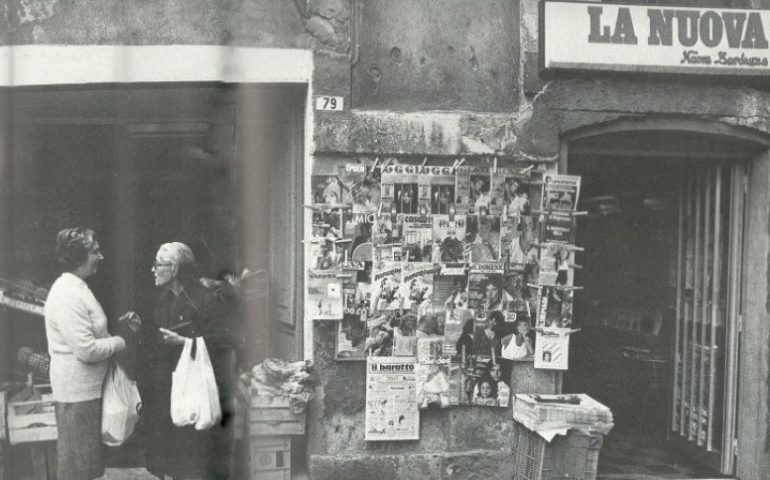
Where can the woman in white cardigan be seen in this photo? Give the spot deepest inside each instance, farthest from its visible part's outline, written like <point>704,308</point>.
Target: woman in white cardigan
<point>80,347</point>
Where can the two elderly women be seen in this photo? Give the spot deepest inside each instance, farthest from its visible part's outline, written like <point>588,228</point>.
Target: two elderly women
<point>81,349</point>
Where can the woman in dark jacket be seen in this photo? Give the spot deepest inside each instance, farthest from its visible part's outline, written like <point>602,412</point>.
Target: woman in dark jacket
<point>187,309</point>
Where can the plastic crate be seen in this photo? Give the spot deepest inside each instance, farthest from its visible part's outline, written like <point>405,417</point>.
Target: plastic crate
<point>270,458</point>
<point>573,456</point>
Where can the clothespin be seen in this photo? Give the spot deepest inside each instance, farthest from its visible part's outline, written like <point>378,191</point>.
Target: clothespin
<point>457,164</point>
<point>393,216</point>
<point>452,212</point>
<point>424,161</point>
<point>376,161</point>
<point>494,165</point>
<point>527,170</point>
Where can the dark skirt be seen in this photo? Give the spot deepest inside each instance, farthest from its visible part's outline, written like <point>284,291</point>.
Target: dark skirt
<point>79,447</point>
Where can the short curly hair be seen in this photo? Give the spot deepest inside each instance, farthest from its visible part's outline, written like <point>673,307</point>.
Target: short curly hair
<point>73,245</point>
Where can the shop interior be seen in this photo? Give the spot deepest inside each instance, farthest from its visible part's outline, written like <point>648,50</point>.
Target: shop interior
<point>627,310</point>
<point>145,165</point>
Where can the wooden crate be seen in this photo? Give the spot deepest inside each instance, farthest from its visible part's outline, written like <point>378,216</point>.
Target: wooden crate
<point>267,416</point>
<point>270,458</point>
<point>32,420</point>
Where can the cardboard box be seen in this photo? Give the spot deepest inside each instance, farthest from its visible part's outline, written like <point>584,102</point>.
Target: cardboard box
<point>270,458</point>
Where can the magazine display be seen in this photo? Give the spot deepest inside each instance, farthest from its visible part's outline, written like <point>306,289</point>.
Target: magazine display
<point>485,287</point>
<point>391,399</point>
<point>560,192</point>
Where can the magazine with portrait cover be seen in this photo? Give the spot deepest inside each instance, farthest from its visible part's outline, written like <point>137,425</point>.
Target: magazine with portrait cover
<point>386,286</point>
<point>482,239</point>
<point>387,237</point>
<point>523,192</point>
<point>329,190</point>
<point>324,296</point>
<point>391,399</point>
<point>524,240</point>
<point>416,238</point>
<point>442,190</point>
<point>552,350</point>
<point>560,192</point>
<point>438,383</point>
<point>559,228</point>
<point>485,287</point>
<point>431,321</point>
<point>404,326</point>
<point>450,286</point>
<point>404,182</point>
<point>480,192</point>
<point>417,285</point>
<point>364,185</point>
<point>459,325</point>
<point>556,262</point>
<point>448,238</point>
<point>509,232</point>
<point>515,289</point>
<point>554,307</point>
<point>462,191</point>
<point>326,253</point>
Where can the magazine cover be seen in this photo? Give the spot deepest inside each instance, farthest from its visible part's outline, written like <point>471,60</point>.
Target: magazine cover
<point>391,400</point>
<point>556,264</point>
<point>438,383</point>
<point>551,308</point>
<point>515,289</point>
<point>480,196</point>
<point>448,239</point>
<point>416,238</point>
<point>485,287</point>
<point>560,192</point>
<point>417,285</point>
<point>458,333</point>
<point>482,239</point>
<point>462,191</point>
<point>424,200</point>
<point>386,286</point>
<point>442,191</point>
<point>559,228</point>
<point>509,233</point>
<point>324,296</point>
<point>430,348</point>
<point>404,327</point>
<point>523,193</point>
<point>387,237</point>
<point>450,286</point>
<point>356,241</point>
<point>329,190</point>
<point>497,193</point>
<point>352,331</point>
<point>364,185</point>
<point>523,246</point>
<point>484,334</point>
<point>552,350</point>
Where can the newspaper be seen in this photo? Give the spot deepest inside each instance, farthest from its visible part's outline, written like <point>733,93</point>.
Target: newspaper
<point>485,287</point>
<point>549,415</point>
<point>448,238</point>
<point>482,239</point>
<point>552,349</point>
<point>560,192</point>
<point>324,296</point>
<point>416,238</point>
<point>438,383</point>
<point>391,400</point>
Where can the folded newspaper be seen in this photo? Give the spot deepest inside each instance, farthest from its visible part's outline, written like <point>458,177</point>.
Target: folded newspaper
<point>551,415</point>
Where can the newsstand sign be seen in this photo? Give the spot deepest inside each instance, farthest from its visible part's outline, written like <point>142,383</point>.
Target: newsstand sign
<point>635,38</point>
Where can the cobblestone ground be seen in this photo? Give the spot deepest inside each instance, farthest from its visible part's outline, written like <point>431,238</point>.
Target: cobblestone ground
<point>127,474</point>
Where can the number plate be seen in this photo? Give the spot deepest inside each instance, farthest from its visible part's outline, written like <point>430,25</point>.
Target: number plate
<point>334,104</point>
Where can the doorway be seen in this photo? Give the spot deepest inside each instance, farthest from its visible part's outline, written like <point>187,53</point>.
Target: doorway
<point>662,297</point>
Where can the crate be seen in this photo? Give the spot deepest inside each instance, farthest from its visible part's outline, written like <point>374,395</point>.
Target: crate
<point>270,458</point>
<point>269,416</point>
<point>32,420</point>
<point>572,456</point>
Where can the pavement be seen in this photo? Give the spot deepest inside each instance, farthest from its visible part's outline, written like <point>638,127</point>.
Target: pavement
<point>127,474</point>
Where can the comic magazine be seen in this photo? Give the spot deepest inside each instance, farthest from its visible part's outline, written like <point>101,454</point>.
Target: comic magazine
<point>559,228</point>
<point>324,296</point>
<point>482,239</point>
<point>560,192</point>
<point>438,383</point>
<point>485,287</point>
<point>386,286</point>
<point>416,238</point>
<point>417,285</point>
<point>448,238</point>
<point>391,399</point>
<point>556,264</point>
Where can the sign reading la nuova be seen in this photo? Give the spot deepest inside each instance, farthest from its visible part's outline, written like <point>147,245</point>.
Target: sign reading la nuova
<point>602,36</point>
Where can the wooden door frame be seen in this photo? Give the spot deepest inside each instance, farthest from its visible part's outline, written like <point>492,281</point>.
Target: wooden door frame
<point>753,406</point>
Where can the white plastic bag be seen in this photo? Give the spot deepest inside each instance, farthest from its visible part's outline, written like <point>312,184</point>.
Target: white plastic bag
<point>194,394</point>
<point>211,410</point>
<point>120,407</point>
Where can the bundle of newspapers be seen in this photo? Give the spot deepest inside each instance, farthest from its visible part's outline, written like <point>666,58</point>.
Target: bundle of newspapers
<point>550,415</point>
<point>279,378</point>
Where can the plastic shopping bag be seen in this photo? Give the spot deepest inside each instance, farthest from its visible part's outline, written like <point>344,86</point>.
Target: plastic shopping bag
<point>194,394</point>
<point>210,408</point>
<point>120,407</point>
<point>184,407</point>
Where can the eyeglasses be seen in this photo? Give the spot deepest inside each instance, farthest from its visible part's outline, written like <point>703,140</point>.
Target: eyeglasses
<point>156,264</point>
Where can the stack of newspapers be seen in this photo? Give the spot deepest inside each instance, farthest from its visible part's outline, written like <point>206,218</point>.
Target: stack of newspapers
<point>540,413</point>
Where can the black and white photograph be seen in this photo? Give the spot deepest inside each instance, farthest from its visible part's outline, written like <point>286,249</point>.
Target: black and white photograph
<point>213,213</point>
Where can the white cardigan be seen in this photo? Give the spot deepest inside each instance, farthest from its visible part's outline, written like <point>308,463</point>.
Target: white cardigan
<point>78,341</point>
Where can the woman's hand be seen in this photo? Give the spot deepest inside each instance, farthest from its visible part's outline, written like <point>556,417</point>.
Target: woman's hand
<point>172,338</point>
<point>132,320</point>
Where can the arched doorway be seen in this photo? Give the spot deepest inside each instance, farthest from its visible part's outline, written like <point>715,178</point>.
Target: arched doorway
<point>666,286</point>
